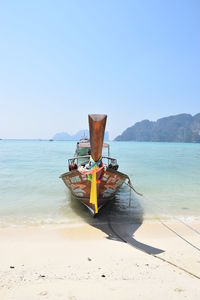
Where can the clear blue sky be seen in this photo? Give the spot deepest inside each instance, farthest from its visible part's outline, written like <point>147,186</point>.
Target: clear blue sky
<point>60,60</point>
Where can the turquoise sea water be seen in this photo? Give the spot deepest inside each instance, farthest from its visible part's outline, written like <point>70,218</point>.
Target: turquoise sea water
<point>168,174</point>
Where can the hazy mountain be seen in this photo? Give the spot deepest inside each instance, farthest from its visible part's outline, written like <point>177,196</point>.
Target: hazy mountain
<point>178,128</point>
<point>64,136</point>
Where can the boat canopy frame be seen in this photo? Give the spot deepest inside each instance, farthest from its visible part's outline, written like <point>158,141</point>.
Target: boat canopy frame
<point>110,160</point>
<point>87,145</point>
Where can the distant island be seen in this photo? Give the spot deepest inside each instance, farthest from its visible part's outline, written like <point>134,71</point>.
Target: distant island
<point>64,136</point>
<point>178,128</point>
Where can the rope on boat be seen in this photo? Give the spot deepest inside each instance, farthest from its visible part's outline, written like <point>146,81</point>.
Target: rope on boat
<point>129,183</point>
<point>91,169</point>
<point>167,227</point>
<point>164,224</point>
<point>126,240</point>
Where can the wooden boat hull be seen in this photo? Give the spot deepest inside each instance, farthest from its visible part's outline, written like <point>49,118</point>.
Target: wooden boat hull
<point>80,186</point>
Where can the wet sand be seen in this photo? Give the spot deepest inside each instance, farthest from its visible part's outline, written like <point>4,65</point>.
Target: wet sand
<point>162,259</point>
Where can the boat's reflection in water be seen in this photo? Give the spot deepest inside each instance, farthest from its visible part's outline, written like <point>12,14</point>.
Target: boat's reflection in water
<point>118,219</point>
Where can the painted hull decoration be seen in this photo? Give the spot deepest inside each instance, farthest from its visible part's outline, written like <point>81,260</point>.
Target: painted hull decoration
<point>94,179</point>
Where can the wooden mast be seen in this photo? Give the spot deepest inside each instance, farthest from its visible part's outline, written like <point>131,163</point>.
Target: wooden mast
<point>97,125</point>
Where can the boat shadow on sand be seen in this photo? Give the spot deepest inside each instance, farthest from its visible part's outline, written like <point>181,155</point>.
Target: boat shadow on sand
<point>117,220</point>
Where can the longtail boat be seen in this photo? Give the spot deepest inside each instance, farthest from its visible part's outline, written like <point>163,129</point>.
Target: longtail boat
<point>94,179</point>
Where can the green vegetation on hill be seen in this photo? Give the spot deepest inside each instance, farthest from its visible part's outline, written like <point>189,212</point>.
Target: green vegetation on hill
<point>178,128</point>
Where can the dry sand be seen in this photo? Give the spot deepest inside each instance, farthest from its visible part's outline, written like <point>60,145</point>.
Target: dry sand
<point>86,262</point>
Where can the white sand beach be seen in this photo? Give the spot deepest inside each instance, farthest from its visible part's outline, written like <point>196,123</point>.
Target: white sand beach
<point>81,262</point>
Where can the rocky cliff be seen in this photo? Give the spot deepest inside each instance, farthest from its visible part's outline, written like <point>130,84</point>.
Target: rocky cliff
<point>178,128</point>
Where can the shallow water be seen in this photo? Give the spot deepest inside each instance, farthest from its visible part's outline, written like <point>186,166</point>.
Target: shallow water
<point>168,174</point>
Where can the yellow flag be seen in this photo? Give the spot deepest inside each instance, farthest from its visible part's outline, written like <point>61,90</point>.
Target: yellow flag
<point>93,191</point>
